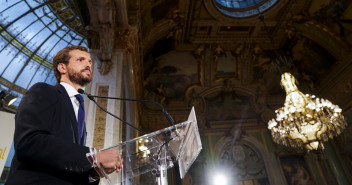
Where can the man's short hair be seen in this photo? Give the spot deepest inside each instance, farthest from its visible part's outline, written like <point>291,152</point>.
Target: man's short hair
<point>63,56</point>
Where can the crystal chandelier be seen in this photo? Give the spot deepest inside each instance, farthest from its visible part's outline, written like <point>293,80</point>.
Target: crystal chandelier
<point>305,121</point>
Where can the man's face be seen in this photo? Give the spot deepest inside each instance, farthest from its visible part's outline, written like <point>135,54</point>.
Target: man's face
<point>79,67</point>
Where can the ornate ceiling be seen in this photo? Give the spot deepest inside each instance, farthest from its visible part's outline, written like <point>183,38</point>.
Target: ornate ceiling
<point>230,68</point>
<point>228,65</point>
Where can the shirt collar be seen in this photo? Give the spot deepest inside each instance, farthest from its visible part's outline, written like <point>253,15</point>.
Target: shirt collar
<point>70,90</point>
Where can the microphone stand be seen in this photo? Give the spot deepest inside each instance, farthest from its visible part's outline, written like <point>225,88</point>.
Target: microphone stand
<point>165,112</point>
<point>163,109</point>
<point>81,91</point>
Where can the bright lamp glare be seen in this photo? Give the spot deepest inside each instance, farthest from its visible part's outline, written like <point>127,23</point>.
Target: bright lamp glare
<point>12,101</point>
<point>220,180</point>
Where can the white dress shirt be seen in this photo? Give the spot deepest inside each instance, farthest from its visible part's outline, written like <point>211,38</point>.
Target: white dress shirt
<point>71,93</point>
<point>75,103</point>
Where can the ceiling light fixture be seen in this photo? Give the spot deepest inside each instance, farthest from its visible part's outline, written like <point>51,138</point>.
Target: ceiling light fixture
<point>305,121</point>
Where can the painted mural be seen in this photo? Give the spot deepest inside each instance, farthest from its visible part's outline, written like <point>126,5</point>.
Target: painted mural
<point>304,58</point>
<point>227,66</point>
<point>170,76</point>
<point>229,106</point>
<point>296,170</point>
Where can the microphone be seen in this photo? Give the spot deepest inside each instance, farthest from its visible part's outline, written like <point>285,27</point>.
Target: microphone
<point>81,91</point>
<point>165,112</point>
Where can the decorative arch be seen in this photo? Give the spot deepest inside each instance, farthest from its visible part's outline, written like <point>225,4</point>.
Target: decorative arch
<point>320,34</point>
<point>243,156</point>
<point>159,31</point>
<point>257,94</point>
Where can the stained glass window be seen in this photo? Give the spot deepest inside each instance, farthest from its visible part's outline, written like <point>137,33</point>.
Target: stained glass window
<point>243,8</point>
<point>31,34</point>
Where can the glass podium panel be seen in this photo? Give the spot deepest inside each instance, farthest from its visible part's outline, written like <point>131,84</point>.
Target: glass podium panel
<point>146,154</point>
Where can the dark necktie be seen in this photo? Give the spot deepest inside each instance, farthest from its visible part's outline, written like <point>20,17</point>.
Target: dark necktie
<point>80,117</point>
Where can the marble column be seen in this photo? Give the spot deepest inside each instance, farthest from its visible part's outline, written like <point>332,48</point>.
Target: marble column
<point>103,129</point>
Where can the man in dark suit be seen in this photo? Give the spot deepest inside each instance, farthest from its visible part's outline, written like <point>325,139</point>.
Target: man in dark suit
<point>48,140</point>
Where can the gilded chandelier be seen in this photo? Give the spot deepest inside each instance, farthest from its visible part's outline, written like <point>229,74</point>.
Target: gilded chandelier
<point>305,121</point>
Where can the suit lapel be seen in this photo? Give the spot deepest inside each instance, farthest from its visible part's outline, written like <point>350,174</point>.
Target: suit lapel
<point>69,110</point>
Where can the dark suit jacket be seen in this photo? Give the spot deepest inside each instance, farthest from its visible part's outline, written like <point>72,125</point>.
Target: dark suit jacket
<point>47,150</point>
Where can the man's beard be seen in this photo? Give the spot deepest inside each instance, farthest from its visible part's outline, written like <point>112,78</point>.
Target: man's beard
<point>77,77</point>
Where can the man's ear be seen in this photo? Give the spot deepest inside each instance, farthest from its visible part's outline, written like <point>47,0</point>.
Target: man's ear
<point>62,68</point>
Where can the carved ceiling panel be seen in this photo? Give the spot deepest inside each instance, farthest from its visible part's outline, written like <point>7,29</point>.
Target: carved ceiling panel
<point>153,11</point>
<point>190,51</point>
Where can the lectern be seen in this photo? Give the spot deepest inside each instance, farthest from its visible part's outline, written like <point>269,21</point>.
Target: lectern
<point>152,154</point>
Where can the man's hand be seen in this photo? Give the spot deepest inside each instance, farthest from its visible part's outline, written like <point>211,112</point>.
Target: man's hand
<point>110,160</point>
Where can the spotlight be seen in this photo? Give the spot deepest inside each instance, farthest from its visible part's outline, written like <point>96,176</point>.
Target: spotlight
<point>12,101</point>
<point>6,98</point>
<point>220,179</point>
